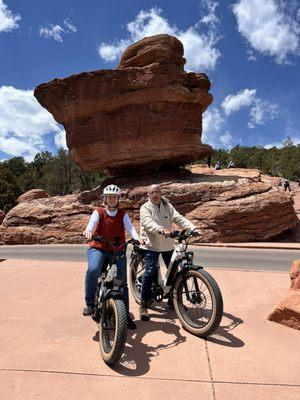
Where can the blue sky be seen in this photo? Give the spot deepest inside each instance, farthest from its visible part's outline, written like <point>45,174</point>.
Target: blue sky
<point>250,49</point>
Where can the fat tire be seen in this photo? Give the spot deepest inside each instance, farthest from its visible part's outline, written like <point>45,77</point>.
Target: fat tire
<point>217,302</point>
<point>133,267</point>
<point>112,355</point>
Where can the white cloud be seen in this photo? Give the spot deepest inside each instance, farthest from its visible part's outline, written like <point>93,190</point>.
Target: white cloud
<point>212,123</point>
<point>8,21</point>
<point>60,140</point>
<point>234,102</point>
<point>261,111</point>
<point>199,48</point>
<point>69,26</point>
<point>211,18</point>
<point>269,27</point>
<point>55,31</point>
<point>112,52</point>
<point>23,123</point>
<point>226,139</point>
<point>212,130</point>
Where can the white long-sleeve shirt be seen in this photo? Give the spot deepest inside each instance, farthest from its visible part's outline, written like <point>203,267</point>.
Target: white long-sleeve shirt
<point>94,220</point>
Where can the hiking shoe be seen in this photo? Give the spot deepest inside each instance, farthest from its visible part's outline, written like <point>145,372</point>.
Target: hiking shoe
<point>130,323</point>
<point>170,302</point>
<point>144,316</point>
<point>149,303</point>
<point>87,311</point>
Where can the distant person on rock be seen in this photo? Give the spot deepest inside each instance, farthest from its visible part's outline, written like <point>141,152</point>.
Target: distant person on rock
<point>231,164</point>
<point>109,221</point>
<point>218,165</point>
<point>156,218</point>
<point>209,161</point>
<point>286,184</point>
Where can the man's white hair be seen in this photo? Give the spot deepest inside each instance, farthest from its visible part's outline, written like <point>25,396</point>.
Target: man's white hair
<point>152,187</point>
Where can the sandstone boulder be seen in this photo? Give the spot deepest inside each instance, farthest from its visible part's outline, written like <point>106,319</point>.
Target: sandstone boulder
<point>287,311</point>
<point>32,194</point>
<point>295,275</point>
<point>272,180</point>
<point>225,209</point>
<point>145,115</point>
<point>240,173</point>
<point>60,219</point>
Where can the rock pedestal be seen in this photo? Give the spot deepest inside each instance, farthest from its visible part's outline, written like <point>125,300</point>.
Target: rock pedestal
<point>144,116</point>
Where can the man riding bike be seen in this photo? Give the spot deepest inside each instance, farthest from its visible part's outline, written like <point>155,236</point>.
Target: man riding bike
<point>108,222</point>
<point>156,218</point>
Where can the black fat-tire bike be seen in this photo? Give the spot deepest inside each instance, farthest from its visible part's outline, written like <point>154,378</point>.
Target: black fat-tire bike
<point>194,293</point>
<point>109,309</point>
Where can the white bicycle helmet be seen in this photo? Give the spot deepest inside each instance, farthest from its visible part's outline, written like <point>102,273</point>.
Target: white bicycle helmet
<point>112,189</point>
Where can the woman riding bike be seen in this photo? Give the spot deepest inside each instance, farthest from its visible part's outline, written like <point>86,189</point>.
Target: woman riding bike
<point>108,222</point>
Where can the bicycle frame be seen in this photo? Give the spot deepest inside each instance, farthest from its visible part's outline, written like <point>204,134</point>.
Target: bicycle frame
<point>176,264</point>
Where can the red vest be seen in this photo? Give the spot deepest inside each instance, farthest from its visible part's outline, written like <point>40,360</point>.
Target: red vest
<point>109,227</point>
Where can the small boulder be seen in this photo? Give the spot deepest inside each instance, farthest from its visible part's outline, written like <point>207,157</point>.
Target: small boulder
<point>32,194</point>
<point>287,311</point>
<point>295,275</point>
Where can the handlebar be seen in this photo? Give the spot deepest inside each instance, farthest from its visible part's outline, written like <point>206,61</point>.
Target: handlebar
<point>182,235</point>
<point>98,238</point>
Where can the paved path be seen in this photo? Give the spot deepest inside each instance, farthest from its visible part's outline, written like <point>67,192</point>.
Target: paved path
<point>220,257</point>
<point>50,351</point>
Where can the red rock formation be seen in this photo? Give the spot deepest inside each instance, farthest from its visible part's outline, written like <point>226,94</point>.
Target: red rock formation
<point>287,311</point>
<point>225,209</point>
<point>295,275</point>
<point>32,194</point>
<point>145,115</point>
<point>59,219</point>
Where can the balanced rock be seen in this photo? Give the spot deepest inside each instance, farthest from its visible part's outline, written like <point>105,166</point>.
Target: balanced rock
<point>32,194</point>
<point>144,115</point>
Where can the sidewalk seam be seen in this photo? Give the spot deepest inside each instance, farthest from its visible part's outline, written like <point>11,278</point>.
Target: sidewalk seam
<point>210,371</point>
<point>148,378</point>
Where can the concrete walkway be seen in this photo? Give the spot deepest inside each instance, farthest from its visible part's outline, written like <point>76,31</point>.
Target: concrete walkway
<point>50,351</point>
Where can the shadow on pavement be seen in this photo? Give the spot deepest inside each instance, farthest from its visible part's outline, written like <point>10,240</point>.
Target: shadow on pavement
<point>223,335</point>
<point>137,355</point>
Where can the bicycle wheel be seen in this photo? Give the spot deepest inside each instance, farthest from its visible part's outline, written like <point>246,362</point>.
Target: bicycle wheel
<point>136,272</point>
<point>198,302</point>
<point>113,331</point>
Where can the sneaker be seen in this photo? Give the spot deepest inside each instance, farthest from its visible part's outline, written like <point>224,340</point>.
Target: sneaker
<point>170,302</point>
<point>130,323</point>
<point>144,316</point>
<point>87,311</point>
<point>149,303</point>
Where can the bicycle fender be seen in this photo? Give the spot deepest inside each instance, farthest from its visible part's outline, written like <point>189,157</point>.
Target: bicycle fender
<point>115,294</point>
<point>186,269</point>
